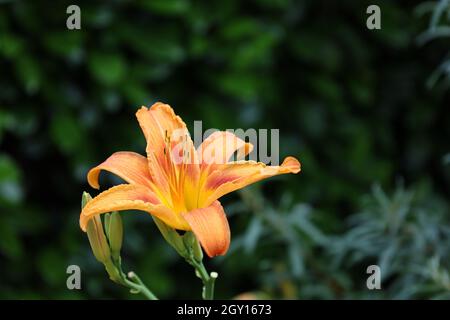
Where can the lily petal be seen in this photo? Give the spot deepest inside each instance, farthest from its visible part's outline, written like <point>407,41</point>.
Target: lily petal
<point>236,175</point>
<point>130,166</point>
<point>217,150</point>
<point>130,197</point>
<point>220,146</point>
<point>210,226</point>
<point>169,149</point>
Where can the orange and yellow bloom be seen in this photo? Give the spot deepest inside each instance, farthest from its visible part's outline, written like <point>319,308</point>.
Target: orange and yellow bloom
<point>183,194</point>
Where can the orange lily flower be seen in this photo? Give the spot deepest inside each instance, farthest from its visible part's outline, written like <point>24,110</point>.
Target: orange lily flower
<point>183,194</point>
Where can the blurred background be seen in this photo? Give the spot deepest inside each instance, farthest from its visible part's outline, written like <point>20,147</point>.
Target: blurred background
<point>365,111</point>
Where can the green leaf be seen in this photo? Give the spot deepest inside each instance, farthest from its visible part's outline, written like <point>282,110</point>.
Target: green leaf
<point>10,242</point>
<point>10,180</point>
<point>166,7</point>
<point>64,43</point>
<point>107,69</point>
<point>30,74</point>
<point>66,133</point>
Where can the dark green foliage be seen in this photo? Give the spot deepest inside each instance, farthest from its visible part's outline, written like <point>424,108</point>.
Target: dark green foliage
<point>407,235</point>
<point>351,103</point>
<point>439,27</point>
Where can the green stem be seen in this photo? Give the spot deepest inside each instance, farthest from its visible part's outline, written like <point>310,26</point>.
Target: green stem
<point>114,268</point>
<point>209,287</point>
<point>207,279</point>
<point>138,286</point>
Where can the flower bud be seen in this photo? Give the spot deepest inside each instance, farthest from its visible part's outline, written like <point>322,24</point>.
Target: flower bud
<point>115,234</point>
<point>99,242</point>
<point>97,239</point>
<point>106,219</point>
<point>85,198</point>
